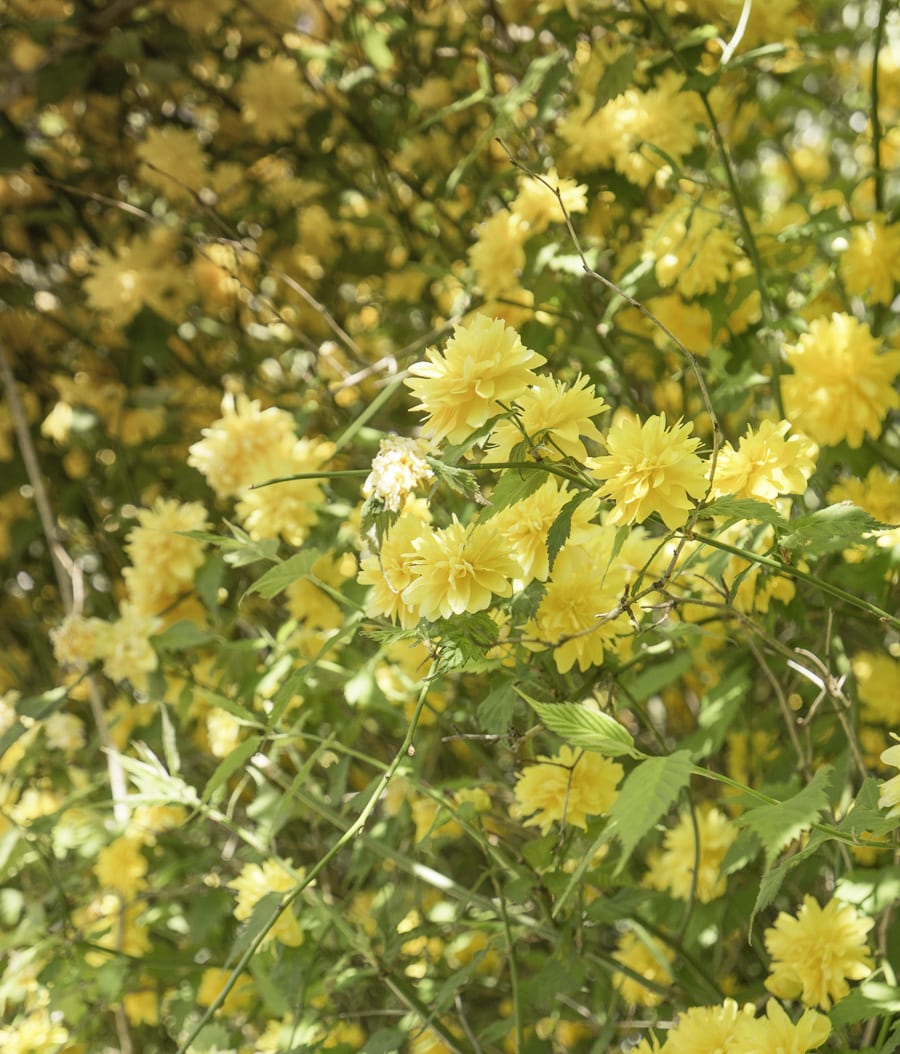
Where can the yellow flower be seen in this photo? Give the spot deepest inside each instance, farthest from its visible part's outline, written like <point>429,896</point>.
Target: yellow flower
<point>291,508</point>
<point>538,206</point>
<point>585,586</point>
<point>618,133</point>
<point>652,963</point>
<point>122,866</point>
<point>236,449</point>
<point>274,98</point>
<point>878,494</point>
<point>173,162</point>
<point>692,246</point>
<point>708,1029</point>
<point>458,569</point>
<point>252,884</point>
<point>497,257</point>
<point>765,465</point>
<point>776,1032</point>
<point>673,867</point>
<point>392,570</point>
<point>566,788</point>
<point>164,560</point>
<point>814,954</point>
<point>79,641</point>
<point>135,273</point>
<point>878,686</point>
<point>650,468</point>
<point>213,980</point>
<point>524,526</point>
<point>34,1032</point>
<point>842,386</point>
<point>554,416</point>
<point>870,266</point>
<point>483,365</point>
<point>889,794</point>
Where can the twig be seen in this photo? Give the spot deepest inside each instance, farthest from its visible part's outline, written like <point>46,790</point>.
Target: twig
<point>66,575</point>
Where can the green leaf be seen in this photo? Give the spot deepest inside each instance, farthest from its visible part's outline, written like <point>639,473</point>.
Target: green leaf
<point>778,825</point>
<point>184,635</point>
<point>582,727</point>
<point>461,480</point>
<point>616,79</point>
<point>774,877</point>
<point>464,641</point>
<point>829,530</point>
<point>279,577</point>
<point>230,764</point>
<point>746,509</point>
<point>63,78</point>
<point>718,709</point>
<point>656,676</point>
<point>37,707</point>
<point>512,486</point>
<point>871,1001</point>
<point>645,797</point>
<point>559,532</point>
<point>495,711</point>
<point>384,1041</point>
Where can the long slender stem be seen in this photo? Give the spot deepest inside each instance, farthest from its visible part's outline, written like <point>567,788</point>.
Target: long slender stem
<point>358,824</point>
<point>878,170</point>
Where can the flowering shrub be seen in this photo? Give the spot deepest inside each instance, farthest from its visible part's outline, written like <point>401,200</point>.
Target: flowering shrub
<point>450,526</point>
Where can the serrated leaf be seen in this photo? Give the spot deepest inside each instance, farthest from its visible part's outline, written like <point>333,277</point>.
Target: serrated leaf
<point>829,530</point>
<point>278,578</point>
<point>747,509</point>
<point>495,711</point>
<point>512,486</point>
<point>646,795</point>
<point>561,528</point>
<point>778,825</point>
<point>865,816</point>
<point>583,727</point>
<point>774,877</point>
<point>230,764</point>
<point>616,79</point>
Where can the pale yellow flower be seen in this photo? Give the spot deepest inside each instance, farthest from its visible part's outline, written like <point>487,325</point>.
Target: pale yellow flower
<point>554,416</point>
<point>122,866</point>
<point>650,468</point>
<point>766,465</point>
<point>458,569</point>
<point>708,1029</point>
<point>566,788</point>
<point>776,1032</point>
<point>842,387</point>
<point>817,952</point>
<point>252,884</point>
<point>237,448</point>
<point>484,365</point>
<point>673,868</point>
<point>652,963</point>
